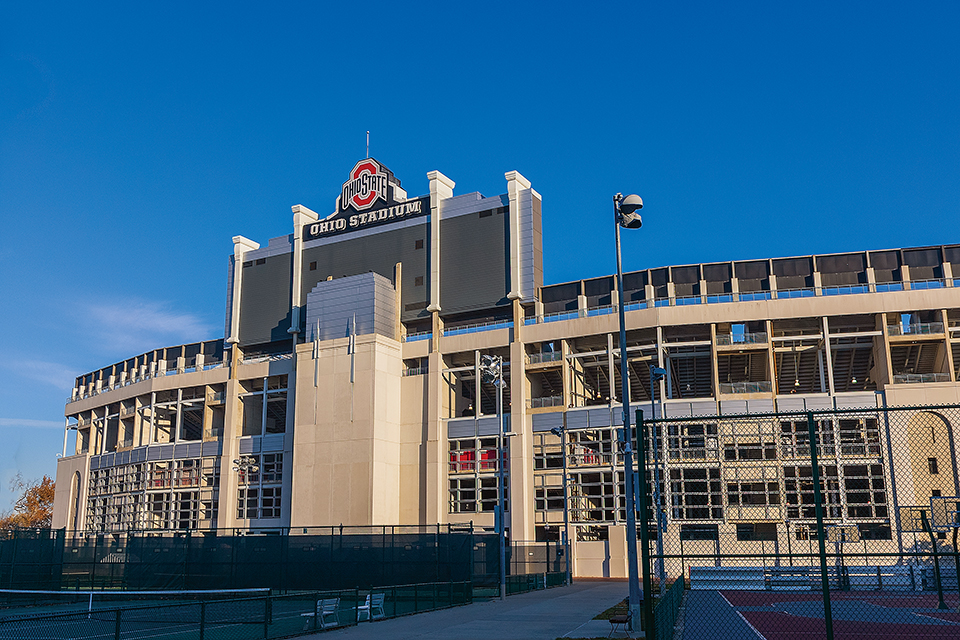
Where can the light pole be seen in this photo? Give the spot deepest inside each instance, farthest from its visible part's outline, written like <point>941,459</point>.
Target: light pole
<point>625,215</point>
<point>656,375</point>
<point>491,372</point>
<point>562,433</point>
<point>244,466</point>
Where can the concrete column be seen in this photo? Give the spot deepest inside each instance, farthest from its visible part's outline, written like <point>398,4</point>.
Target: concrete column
<point>948,274</point>
<point>521,492</point>
<point>515,184</point>
<point>905,276</point>
<point>825,327</point>
<point>714,366</point>
<point>946,343</point>
<point>441,188</point>
<point>301,216</point>
<point>771,357</point>
<point>241,246</point>
<point>881,354</point>
<point>399,330</point>
<point>773,285</point>
<point>432,460</point>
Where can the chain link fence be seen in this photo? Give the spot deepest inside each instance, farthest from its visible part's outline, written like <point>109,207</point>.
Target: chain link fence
<point>827,523</point>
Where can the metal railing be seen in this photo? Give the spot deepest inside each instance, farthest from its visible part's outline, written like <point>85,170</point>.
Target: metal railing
<point>477,327</point>
<point>749,296</point>
<point>416,336</point>
<point>746,387</point>
<point>546,356</point>
<point>845,290</point>
<point>728,339</point>
<point>935,283</point>
<point>415,371</point>
<point>919,378</point>
<point>549,401</point>
<point>915,329</point>
<point>275,357</point>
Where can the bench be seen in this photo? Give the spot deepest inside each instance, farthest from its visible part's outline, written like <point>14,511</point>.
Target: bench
<point>373,607</point>
<point>621,620</point>
<point>324,608</point>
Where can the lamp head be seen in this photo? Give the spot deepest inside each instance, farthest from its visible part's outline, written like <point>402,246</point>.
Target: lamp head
<point>658,373</point>
<point>556,431</point>
<point>628,208</point>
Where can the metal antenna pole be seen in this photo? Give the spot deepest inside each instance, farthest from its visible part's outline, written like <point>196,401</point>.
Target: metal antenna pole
<point>500,482</point>
<point>657,504</point>
<point>634,586</point>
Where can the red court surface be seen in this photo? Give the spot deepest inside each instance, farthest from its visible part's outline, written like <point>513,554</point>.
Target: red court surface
<point>857,615</point>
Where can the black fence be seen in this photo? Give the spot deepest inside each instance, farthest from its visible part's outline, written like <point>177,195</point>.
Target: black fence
<point>296,559</point>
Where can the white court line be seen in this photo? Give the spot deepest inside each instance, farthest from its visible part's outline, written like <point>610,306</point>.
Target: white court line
<point>747,622</point>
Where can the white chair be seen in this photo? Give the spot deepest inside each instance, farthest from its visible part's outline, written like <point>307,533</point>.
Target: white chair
<point>372,608</point>
<point>326,608</point>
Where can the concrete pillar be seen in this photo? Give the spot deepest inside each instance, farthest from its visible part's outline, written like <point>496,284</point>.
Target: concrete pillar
<point>441,188</point>
<point>301,216</point>
<point>515,184</point>
<point>241,246</point>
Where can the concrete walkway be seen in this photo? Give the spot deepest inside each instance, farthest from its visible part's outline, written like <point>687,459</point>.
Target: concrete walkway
<point>539,615</point>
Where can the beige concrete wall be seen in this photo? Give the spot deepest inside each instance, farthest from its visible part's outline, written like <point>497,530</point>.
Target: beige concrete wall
<point>347,437</point>
<point>67,508</point>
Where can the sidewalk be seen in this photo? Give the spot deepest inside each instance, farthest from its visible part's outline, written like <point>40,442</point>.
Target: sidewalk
<point>539,615</point>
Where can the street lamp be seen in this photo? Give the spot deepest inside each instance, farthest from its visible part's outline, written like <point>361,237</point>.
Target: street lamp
<point>625,214</point>
<point>244,466</point>
<point>656,375</point>
<point>562,434</point>
<point>491,372</point>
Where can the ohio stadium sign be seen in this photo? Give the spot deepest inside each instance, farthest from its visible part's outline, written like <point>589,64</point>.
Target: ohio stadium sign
<point>368,198</point>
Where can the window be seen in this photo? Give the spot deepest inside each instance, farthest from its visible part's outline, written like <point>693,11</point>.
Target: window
<point>695,493</point>
<point>261,261</point>
<point>470,495</point>
<point>699,532</point>
<point>546,451</point>
<point>688,441</point>
<point>875,531</point>
<point>418,244</point>
<point>864,489</point>
<point>313,266</point>
<point>473,455</point>
<point>859,437</point>
<point>593,497</point>
<point>798,489</point>
<point>270,502</point>
<point>795,438</point>
<point>932,466</point>
<point>418,281</point>
<point>756,531</point>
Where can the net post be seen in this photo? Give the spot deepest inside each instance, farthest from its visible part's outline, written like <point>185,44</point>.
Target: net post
<point>116,629</point>
<point>936,559</point>
<point>818,502</point>
<point>203,618</point>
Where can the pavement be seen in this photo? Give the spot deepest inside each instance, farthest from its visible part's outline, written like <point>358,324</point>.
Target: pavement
<point>538,615</point>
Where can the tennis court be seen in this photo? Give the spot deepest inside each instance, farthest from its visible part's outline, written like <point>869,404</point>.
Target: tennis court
<point>72,616</point>
<point>799,615</point>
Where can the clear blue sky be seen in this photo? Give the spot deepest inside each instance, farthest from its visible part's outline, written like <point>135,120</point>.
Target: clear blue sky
<point>136,140</point>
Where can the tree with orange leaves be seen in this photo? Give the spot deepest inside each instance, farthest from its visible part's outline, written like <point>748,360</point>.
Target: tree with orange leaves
<point>34,507</point>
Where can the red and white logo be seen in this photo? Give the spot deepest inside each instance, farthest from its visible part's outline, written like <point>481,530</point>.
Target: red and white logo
<point>367,184</point>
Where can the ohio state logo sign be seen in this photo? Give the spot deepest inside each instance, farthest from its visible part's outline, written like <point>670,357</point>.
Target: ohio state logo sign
<point>367,185</point>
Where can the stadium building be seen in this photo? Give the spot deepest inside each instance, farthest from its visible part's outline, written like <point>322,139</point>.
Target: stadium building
<point>349,375</point>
